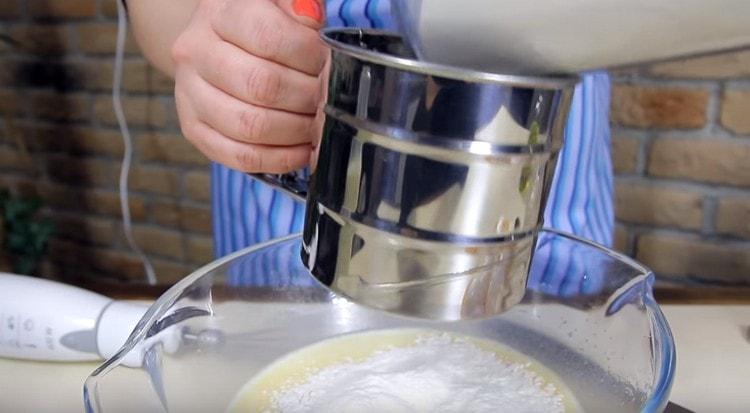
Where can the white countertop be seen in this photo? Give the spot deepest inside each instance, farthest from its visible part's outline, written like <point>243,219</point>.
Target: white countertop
<point>713,367</point>
<point>713,357</point>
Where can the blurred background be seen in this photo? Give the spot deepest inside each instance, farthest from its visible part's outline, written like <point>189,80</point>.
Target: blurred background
<point>681,151</point>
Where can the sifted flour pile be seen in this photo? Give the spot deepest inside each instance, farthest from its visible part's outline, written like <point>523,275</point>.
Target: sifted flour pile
<point>438,373</point>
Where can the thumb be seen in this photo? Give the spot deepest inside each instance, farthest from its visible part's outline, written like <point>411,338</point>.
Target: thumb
<point>311,13</point>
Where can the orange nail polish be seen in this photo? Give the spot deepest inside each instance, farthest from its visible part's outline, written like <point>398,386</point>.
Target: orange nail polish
<point>308,8</point>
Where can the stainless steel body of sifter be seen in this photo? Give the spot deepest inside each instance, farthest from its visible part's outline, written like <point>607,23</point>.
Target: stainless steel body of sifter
<point>431,180</point>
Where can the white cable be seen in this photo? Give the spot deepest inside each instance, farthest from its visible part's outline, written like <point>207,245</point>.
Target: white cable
<point>128,142</point>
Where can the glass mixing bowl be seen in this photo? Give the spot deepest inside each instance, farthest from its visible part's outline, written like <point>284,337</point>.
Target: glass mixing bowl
<point>588,315</point>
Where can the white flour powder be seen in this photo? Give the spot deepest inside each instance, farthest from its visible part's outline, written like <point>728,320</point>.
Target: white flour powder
<point>440,373</point>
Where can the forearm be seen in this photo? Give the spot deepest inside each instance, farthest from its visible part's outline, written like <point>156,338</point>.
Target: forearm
<point>156,24</point>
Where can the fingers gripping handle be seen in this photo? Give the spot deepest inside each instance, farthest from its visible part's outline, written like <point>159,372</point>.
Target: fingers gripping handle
<point>311,13</point>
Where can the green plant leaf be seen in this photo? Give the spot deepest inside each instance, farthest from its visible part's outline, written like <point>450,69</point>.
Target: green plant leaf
<point>26,235</point>
<point>25,265</point>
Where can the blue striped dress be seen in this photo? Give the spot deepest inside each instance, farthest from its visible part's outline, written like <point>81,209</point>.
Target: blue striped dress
<point>247,212</point>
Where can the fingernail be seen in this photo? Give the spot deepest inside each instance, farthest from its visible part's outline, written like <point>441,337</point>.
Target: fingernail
<point>308,8</point>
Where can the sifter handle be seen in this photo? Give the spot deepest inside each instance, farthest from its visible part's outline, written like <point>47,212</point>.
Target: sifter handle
<point>292,183</point>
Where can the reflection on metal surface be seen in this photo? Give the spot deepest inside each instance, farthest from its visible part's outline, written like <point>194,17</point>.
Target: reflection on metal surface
<point>430,182</point>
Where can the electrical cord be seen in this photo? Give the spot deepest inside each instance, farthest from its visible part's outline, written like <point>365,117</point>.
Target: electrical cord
<point>127,157</point>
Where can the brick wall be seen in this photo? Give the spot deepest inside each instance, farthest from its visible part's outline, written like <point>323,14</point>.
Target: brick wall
<point>681,152</point>
<point>681,143</point>
<point>59,140</point>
